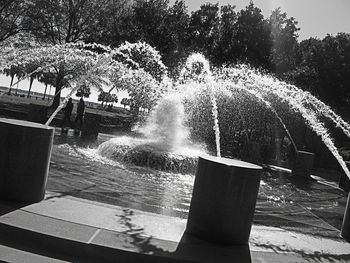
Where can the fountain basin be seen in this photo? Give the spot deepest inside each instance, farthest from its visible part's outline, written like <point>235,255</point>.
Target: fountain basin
<point>303,165</point>
<point>148,153</point>
<point>91,126</point>
<point>345,230</point>
<point>25,151</point>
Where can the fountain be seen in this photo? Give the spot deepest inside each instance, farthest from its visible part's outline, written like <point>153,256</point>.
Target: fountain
<point>162,143</point>
<point>165,142</point>
<point>227,85</point>
<point>197,81</point>
<point>205,107</point>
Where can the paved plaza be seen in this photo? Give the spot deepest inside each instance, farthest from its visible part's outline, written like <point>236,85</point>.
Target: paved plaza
<point>68,229</point>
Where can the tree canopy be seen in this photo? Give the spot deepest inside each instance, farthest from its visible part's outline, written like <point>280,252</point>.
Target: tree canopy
<point>284,38</point>
<point>147,30</point>
<point>13,16</point>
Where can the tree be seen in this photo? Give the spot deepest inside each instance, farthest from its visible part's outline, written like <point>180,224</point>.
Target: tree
<point>226,49</point>
<point>285,41</point>
<point>145,85</point>
<point>253,37</point>
<point>112,24</point>
<point>142,55</point>
<point>83,91</point>
<point>82,67</point>
<point>46,78</point>
<point>12,72</point>
<point>203,28</point>
<point>101,97</point>
<point>59,22</point>
<point>12,18</point>
<point>124,102</point>
<point>175,27</point>
<point>334,70</point>
<point>28,69</point>
<point>324,69</point>
<point>149,17</point>
<point>107,97</point>
<point>31,79</point>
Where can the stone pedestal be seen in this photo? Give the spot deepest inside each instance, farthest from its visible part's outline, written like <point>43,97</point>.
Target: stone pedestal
<point>344,182</point>
<point>25,151</point>
<point>91,126</point>
<point>37,113</point>
<point>223,200</point>
<point>345,230</point>
<point>303,164</point>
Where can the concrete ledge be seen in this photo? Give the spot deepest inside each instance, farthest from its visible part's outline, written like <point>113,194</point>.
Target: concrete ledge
<point>98,248</point>
<point>70,229</point>
<point>15,255</point>
<point>98,245</point>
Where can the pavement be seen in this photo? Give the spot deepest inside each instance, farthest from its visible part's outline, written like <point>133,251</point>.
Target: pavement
<point>63,228</point>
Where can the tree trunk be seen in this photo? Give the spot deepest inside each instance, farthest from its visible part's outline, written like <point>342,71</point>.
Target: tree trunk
<point>58,87</point>
<point>17,88</point>
<point>135,110</point>
<point>30,86</point>
<point>12,76</point>
<point>57,98</point>
<point>48,98</point>
<point>45,91</point>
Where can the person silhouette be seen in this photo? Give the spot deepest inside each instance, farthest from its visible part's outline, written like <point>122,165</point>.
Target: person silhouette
<point>80,112</point>
<point>67,113</point>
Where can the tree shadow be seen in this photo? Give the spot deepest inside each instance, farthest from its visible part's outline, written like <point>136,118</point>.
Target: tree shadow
<point>74,192</point>
<point>314,257</point>
<point>190,248</point>
<point>137,235</point>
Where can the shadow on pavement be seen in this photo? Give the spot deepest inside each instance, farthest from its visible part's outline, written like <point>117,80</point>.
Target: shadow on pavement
<point>190,248</point>
<point>193,248</point>
<point>8,207</point>
<point>314,257</point>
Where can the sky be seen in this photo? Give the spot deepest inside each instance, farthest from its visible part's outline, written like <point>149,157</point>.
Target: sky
<point>316,18</point>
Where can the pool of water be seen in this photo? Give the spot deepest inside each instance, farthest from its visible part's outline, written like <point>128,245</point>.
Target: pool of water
<point>76,169</point>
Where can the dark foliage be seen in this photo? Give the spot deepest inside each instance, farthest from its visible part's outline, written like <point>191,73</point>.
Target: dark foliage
<point>226,36</point>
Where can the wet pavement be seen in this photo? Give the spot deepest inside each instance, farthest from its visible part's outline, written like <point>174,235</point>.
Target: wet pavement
<point>312,206</point>
<point>76,170</point>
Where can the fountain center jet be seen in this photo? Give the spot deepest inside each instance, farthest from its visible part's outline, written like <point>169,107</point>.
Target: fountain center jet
<point>165,125</point>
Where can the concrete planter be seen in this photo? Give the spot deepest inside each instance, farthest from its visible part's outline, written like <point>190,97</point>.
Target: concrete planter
<point>345,230</point>
<point>91,126</point>
<point>25,151</point>
<point>223,200</point>
<point>303,164</point>
<point>344,182</point>
<point>37,113</point>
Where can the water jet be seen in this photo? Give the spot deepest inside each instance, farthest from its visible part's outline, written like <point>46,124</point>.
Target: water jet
<point>206,94</point>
